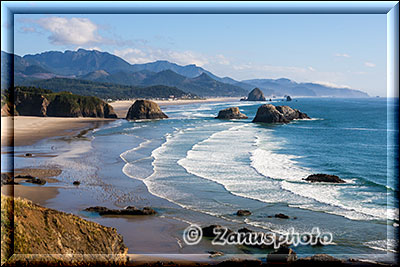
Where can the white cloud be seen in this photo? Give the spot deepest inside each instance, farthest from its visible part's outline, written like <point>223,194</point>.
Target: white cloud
<point>331,84</point>
<point>221,59</point>
<point>70,31</point>
<point>311,68</point>
<point>369,64</point>
<point>342,55</point>
<point>148,54</point>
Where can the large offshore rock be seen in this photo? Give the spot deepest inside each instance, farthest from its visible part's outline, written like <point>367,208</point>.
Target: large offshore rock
<point>145,109</point>
<point>270,114</point>
<point>256,95</point>
<point>230,113</point>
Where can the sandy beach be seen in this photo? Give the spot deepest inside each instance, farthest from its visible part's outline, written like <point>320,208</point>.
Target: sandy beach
<point>121,106</point>
<point>26,130</point>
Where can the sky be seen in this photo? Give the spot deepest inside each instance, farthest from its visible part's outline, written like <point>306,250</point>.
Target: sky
<point>344,50</point>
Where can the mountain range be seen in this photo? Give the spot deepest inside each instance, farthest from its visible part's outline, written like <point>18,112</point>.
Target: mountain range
<point>103,67</point>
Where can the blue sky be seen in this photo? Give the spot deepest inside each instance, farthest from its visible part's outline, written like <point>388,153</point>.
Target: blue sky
<point>344,50</point>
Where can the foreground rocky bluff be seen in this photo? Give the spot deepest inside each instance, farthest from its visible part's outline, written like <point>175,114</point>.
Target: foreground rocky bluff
<point>145,109</point>
<point>46,235</point>
<point>270,114</point>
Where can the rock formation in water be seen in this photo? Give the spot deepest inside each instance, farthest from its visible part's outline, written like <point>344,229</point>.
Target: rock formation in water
<point>30,101</point>
<point>321,177</point>
<point>130,210</point>
<point>243,213</point>
<point>230,113</point>
<point>256,95</point>
<point>145,109</point>
<point>288,98</point>
<point>270,114</point>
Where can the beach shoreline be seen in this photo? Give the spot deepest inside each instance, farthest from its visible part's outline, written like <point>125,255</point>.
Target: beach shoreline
<point>27,130</point>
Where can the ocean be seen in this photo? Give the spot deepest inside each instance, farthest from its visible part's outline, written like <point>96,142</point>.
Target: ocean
<point>202,170</point>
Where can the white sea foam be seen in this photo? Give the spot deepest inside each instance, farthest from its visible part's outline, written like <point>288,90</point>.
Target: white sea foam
<point>125,154</point>
<point>224,158</point>
<point>335,195</point>
<point>277,166</point>
<point>389,245</point>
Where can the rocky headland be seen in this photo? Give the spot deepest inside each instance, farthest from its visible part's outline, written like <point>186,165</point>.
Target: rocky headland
<point>31,101</point>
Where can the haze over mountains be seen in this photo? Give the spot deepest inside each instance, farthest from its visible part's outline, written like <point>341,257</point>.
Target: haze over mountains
<point>102,67</point>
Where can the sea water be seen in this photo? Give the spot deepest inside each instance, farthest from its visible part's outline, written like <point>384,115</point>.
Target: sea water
<point>209,168</point>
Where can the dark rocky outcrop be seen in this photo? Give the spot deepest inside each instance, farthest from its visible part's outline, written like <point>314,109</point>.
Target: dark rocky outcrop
<point>145,109</point>
<point>230,113</point>
<point>31,179</point>
<point>30,101</point>
<point>208,231</point>
<point>130,210</point>
<point>288,98</point>
<point>6,179</point>
<point>291,114</point>
<point>243,213</point>
<point>76,183</point>
<point>256,95</point>
<point>35,180</point>
<point>281,216</point>
<point>270,114</point>
<point>327,178</point>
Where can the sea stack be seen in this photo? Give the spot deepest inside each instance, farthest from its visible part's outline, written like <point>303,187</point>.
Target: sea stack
<point>321,177</point>
<point>256,95</point>
<point>230,113</point>
<point>288,98</point>
<point>270,114</point>
<point>145,109</point>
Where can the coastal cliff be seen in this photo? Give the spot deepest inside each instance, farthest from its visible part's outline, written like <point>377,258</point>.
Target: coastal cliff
<point>39,230</point>
<point>30,101</point>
